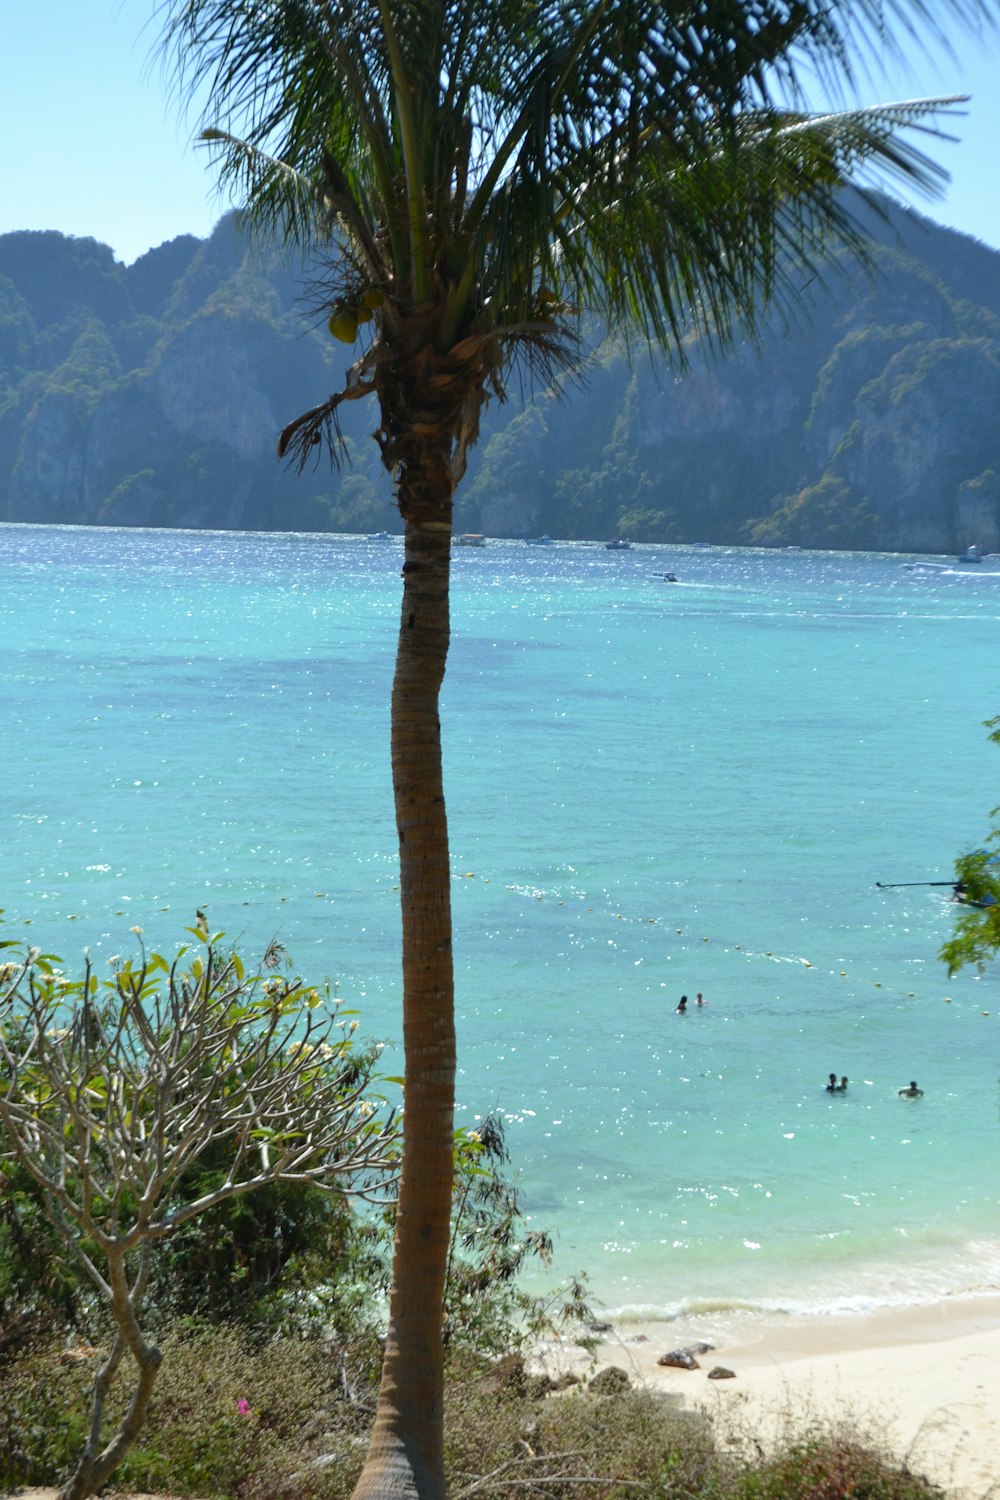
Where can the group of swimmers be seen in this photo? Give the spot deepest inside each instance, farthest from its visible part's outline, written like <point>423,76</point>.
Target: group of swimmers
<point>833,1087</point>
<point>910,1092</point>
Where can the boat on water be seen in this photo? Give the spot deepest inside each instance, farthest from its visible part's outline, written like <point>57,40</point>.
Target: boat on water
<point>379,536</point>
<point>539,541</point>
<point>973,554</point>
<point>471,539</point>
<point>618,544</point>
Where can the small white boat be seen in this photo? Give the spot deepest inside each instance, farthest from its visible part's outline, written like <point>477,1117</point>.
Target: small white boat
<point>471,539</point>
<point>971,554</point>
<point>538,541</point>
<point>379,536</point>
<point>618,544</point>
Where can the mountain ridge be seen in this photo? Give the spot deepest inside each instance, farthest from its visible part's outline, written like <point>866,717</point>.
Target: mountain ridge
<point>152,395</point>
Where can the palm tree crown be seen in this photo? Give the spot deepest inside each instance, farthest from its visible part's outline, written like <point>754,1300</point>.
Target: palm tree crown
<point>480,172</point>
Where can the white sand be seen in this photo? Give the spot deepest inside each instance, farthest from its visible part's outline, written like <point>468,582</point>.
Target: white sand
<point>924,1381</point>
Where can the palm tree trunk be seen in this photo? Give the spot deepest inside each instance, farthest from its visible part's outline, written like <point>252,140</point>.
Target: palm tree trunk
<point>405,1459</point>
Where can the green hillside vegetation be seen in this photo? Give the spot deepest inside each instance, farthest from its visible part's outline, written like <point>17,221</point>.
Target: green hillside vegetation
<point>152,395</point>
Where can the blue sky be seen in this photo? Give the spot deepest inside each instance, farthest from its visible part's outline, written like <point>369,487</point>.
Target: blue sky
<point>92,146</point>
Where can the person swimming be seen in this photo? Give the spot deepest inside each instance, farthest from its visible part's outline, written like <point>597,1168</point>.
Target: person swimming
<point>912,1092</point>
<point>831,1087</point>
<point>682,1005</point>
<point>842,1086</point>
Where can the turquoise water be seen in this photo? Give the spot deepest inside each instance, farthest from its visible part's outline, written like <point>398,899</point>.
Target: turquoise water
<point>653,789</point>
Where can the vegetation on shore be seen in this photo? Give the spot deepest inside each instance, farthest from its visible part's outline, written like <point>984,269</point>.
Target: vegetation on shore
<point>243,1419</point>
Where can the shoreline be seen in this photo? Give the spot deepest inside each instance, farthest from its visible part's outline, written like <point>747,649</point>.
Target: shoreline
<point>920,1379</point>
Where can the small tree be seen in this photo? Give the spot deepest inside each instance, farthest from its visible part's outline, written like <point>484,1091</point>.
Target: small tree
<point>111,1092</point>
<point>977,928</point>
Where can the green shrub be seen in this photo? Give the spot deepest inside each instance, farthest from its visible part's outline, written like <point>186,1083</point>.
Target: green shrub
<point>196,1439</point>
<point>836,1465</point>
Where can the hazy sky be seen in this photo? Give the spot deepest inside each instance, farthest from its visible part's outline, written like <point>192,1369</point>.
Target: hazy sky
<point>91,145</point>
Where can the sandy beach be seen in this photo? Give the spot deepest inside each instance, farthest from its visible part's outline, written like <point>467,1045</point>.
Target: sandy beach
<point>924,1380</point>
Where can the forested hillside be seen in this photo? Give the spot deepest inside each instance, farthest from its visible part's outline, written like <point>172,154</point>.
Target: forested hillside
<point>152,395</point>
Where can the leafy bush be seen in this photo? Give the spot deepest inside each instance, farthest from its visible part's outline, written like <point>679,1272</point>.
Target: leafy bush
<point>135,1107</point>
<point>836,1465</point>
<point>227,1412</point>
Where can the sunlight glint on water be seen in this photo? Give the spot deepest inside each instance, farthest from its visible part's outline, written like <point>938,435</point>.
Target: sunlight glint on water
<point>652,789</point>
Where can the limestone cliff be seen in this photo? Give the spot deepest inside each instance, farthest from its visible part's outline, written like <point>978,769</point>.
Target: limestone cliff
<point>153,395</point>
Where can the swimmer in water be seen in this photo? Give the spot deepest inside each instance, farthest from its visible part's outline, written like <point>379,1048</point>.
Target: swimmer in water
<point>842,1086</point>
<point>912,1092</point>
<point>831,1087</point>
<point>682,1006</point>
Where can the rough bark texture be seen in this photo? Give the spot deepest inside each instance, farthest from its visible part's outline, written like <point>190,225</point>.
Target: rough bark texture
<point>405,1459</point>
<point>96,1467</point>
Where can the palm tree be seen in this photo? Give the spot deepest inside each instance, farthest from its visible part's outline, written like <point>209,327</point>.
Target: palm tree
<point>475,174</point>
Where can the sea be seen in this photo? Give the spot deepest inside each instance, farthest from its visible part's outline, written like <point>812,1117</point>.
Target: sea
<point>739,784</point>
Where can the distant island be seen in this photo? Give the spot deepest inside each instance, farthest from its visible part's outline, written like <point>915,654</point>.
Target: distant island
<point>152,395</point>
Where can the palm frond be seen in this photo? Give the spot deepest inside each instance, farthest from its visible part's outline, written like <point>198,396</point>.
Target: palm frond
<point>635,159</point>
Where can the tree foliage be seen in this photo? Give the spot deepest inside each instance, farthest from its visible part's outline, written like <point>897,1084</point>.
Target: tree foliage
<point>114,1095</point>
<point>976,938</point>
